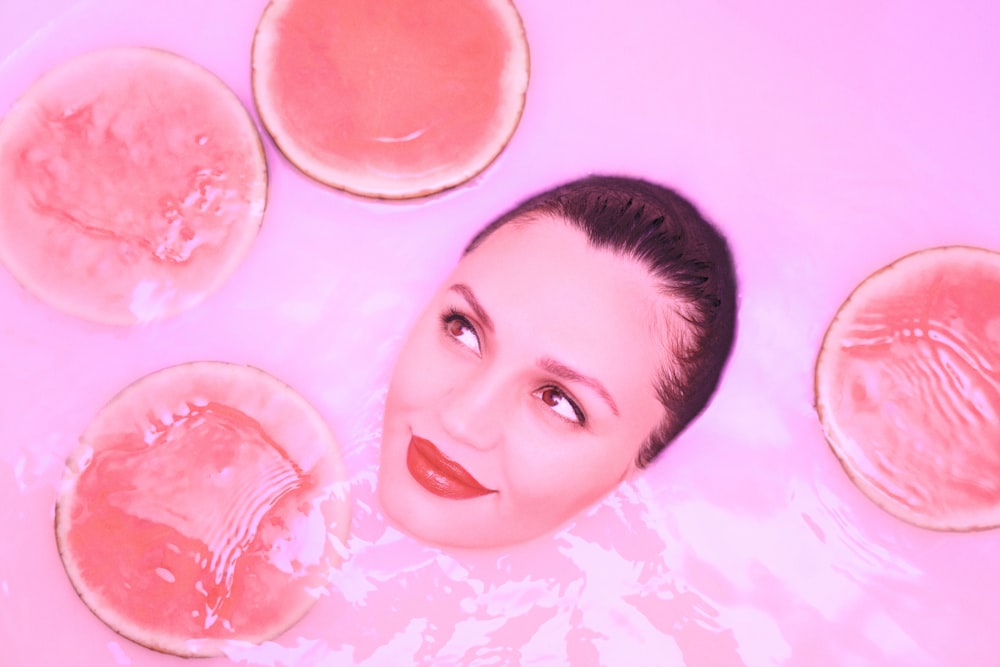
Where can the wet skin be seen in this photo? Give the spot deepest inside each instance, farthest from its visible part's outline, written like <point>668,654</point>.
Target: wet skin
<point>524,391</point>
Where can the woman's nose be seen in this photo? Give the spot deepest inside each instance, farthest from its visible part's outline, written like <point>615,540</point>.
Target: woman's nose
<point>474,411</point>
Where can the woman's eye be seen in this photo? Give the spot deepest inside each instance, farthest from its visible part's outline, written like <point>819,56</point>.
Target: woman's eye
<point>561,404</point>
<point>459,328</point>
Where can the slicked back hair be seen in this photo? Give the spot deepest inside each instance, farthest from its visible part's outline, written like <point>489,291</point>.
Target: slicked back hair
<point>683,252</point>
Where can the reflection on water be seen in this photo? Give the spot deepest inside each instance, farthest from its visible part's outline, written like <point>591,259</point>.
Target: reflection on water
<point>573,596</point>
<point>667,578</point>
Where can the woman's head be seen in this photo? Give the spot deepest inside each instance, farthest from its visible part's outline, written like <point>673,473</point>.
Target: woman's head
<point>683,252</point>
<point>577,335</point>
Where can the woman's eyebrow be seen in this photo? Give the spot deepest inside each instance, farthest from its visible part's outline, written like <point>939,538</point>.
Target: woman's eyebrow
<point>570,375</point>
<point>474,304</point>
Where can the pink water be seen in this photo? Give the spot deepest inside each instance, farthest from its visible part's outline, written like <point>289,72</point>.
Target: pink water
<point>826,141</point>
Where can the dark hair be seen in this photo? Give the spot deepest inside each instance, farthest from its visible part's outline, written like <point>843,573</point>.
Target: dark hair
<point>690,258</point>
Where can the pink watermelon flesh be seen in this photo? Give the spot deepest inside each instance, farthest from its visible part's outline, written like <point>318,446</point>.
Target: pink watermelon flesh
<point>135,184</point>
<point>186,522</point>
<point>394,100</point>
<point>908,387</point>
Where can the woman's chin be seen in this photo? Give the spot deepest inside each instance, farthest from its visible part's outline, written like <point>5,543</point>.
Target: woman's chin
<point>452,524</point>
<point>425,520</point>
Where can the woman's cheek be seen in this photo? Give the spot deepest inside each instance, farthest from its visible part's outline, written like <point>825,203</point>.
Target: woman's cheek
<point>568,468</point>
<point>536,457</point>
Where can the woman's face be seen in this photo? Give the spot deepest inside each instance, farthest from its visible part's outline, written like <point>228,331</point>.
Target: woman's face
<point>524,391</point>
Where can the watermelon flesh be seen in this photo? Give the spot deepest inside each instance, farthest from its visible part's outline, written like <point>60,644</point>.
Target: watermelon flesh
<point>135,185</point>
<point>908,387</point>
<point>188,526</point>
<point>394,99</point>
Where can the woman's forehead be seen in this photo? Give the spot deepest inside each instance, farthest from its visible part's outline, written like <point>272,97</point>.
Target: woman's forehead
<point>544,252</point>
<point>543,280</point>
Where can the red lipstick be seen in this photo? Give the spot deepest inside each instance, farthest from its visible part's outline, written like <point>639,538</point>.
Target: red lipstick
<point>439,474</point>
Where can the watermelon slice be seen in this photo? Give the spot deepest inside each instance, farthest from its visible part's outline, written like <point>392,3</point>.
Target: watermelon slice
<point>134,183</point>
<point>202,506</point>
<point>390,99</point>
<point>908,388</point>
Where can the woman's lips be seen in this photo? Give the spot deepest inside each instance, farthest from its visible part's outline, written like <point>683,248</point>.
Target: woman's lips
<point>439,474</point>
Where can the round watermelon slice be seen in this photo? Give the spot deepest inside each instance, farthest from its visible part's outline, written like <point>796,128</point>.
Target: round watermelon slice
<point>908,388</point>
<point>134,184</point>
<point>391,99</point>
<point>203,505</point>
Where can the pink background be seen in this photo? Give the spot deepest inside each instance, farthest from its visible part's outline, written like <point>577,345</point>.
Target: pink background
<point>826,139</point>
